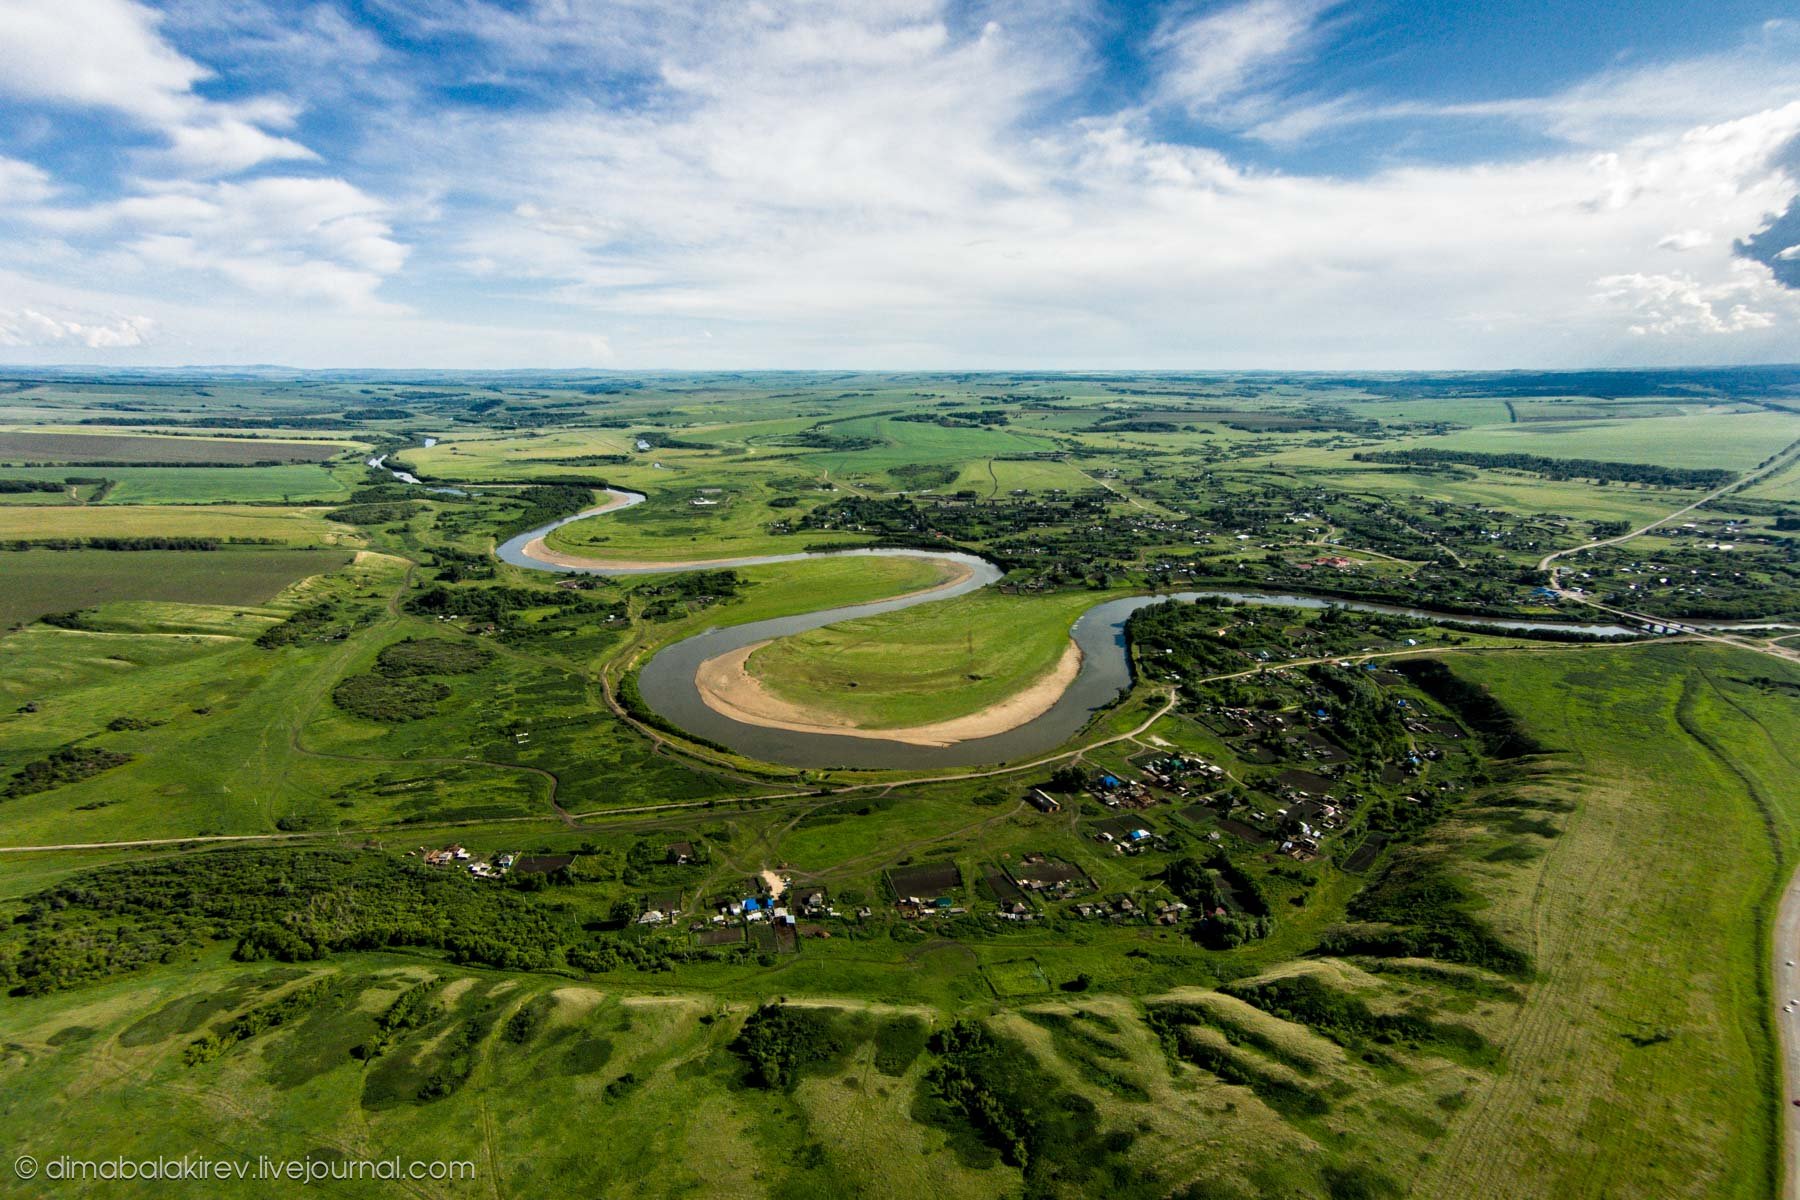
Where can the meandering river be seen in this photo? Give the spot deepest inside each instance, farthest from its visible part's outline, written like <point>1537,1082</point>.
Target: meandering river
<point>668,686</point>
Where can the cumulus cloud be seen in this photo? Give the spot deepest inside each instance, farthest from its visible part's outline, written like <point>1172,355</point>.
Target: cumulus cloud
<point>1679,304</point>
<point>910,182</point>
<point>28,327</point>
<point>772,191</point>
<point>110,54</point>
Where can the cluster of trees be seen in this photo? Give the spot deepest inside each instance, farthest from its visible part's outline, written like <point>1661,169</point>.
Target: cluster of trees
<point>128,543</point>
<point>400,688</point>
<point>66,765</point>
<point>433,656</point>
<point>984,1088</point>
<point>1556,468</point>
<point>460,566</point>
<point>497,604</point>
<point>372,514</point>
<point>1414,908</point>
<point>21,486</point>
<point>1348,1020</point>
<point>1361,714</point>
<point>389,699</point>
<point>545,503</point>
<point>264,1017</point>
<point>296,905</point>
<point>777,1043</point>
<point>1230,905</point>
<point>322,621</point>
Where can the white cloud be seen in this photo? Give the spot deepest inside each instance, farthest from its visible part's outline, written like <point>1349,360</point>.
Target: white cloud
<point>28,327</point>
<point>104,53</point>
<point>321,240</point>
<point>110,54</point>
<point>900,183</point>
<point>1212,58</point>
<point>22,183</point>
<point>1686,239</point>
<point>1678,304</point>
<point>1614,106</point>
<point>227,146</point>
<point>896,212</point>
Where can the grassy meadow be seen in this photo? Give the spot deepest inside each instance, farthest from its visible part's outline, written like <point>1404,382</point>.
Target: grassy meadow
<point>1494,928</point>
<point>921,665</point>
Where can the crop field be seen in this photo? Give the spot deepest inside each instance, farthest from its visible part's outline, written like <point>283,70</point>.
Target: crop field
<point>1734,441</point>
<point>54,581</point>
<point>26,447</point>
<point>551,453</point>
<point>343,839</point>
<point>288,483</point>
<point>293,526</point>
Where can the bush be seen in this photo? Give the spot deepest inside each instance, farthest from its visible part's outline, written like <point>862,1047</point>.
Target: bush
<point>71,764</point>
<point>432,656</point>
<point>381,698</point>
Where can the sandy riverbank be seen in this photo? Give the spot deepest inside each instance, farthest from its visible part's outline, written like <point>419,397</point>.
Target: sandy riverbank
<point>727,687</point>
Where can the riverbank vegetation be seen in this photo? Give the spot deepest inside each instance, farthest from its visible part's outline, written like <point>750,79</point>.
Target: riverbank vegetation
<point>1348,924</point>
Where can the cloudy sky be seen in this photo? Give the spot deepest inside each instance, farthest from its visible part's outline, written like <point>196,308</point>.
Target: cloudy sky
<point>900,183</point>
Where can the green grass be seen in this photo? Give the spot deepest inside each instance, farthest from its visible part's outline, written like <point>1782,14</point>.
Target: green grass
<point>1634,864</point>
<point>997,477</point>
<point>54,581</point>
<point>290,482</point>
<point>295,526</point>
<point>1639,933</point>
<point>929,663</point>
<point>669,527</point>
<point>1734,441</point>
<point>522,456</point>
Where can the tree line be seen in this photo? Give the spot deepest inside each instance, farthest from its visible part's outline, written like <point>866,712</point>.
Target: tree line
<point>1555,468</point>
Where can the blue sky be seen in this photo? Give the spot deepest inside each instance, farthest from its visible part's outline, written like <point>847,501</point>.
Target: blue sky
<point>899,183</point>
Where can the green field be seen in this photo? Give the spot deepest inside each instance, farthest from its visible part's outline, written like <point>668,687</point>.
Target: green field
<point>290,482</point>
<point>295,526</point>
<point>54,581</point>
<point>1328,904</point>
<point>1634,1026</point>
<point>1734,441</point>
<point>921,665</point>
<point>670,527</point>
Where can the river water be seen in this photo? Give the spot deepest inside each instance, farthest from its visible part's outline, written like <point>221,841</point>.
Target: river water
<point>667,683</point>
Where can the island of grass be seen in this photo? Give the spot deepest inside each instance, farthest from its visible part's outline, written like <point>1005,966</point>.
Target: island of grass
<point>923,666</point>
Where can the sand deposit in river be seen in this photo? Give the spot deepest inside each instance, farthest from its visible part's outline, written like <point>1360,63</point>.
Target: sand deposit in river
<point>729,689</point>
